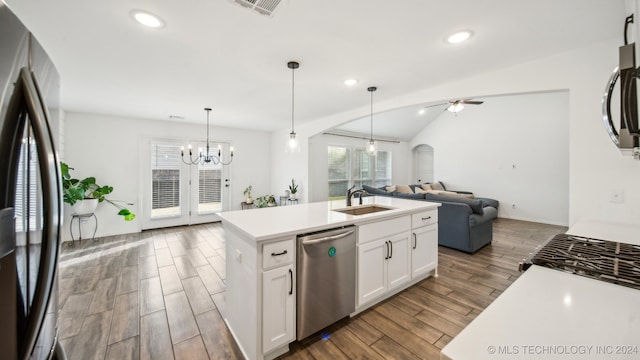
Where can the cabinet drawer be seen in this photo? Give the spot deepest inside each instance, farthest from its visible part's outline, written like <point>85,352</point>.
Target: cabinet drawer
<point>380,229</point>
<point>277,253</point>
<point>424,218</point>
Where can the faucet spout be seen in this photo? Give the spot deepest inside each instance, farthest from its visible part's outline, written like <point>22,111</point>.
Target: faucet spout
<point>351,194</point>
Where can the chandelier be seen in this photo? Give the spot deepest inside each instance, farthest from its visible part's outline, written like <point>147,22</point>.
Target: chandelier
<point>207,157</point>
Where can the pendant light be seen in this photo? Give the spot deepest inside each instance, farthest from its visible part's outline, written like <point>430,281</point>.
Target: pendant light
<point>206,158</point>
<point>371,145</point>
<point>293,144</point>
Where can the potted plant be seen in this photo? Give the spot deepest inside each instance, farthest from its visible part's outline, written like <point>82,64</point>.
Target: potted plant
<point>247,193</point>
<point>265,201</point>
<point>84,195</point>
<point>293,189</point>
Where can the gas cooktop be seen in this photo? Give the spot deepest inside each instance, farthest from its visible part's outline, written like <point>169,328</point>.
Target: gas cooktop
<point>604,260</point>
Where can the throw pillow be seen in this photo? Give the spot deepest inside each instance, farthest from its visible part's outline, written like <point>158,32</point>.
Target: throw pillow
<point>419,190</point>
<point>404,189</point>
<point>426,187</point>
<point>391,188</point>
<point>436,186</point>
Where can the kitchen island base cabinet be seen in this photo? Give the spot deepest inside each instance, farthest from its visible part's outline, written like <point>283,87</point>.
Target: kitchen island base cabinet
<point>278,308</point>
<point>383,266</point>
<point>424,251</point>
<point>260,294</point>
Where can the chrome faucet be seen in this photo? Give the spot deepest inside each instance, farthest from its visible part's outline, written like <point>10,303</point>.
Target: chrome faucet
<point>351,193</point>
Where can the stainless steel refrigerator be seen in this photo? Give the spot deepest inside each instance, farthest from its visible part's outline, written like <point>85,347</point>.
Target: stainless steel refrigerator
<point>30,195</point>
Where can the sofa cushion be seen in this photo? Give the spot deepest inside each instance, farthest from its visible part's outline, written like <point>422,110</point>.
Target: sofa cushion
<point>419,190</point>
<point>437,186</point>
<point>409,196</point>
<point>391,188</point>
<point>375,191</point>
<point>474,204</point>
<point>404,189</point>
<point>426,187</point>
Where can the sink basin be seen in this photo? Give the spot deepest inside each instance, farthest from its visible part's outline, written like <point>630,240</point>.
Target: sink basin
<point>362,210</point>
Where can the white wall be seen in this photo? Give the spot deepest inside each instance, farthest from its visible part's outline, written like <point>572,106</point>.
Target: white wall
<point>511,148</point>
<point>595,164</point>
<point>318,159</point>
<point>108,148</point>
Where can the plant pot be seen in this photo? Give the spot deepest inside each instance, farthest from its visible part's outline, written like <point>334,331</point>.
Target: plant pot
<point>249,200</point>
<point>85,207</point>
<point>293,196</point>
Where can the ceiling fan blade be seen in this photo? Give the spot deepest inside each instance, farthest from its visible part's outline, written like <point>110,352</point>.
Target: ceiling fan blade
<point>434,105</point>
<point>471,102</point>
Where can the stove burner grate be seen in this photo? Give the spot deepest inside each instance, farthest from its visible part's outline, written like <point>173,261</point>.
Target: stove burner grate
<point>604,260</point>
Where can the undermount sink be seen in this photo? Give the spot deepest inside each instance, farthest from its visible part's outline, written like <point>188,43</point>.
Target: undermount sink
<point>364,209</point>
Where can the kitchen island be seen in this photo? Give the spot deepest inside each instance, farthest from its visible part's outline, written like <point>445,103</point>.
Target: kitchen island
<point>396,247</point>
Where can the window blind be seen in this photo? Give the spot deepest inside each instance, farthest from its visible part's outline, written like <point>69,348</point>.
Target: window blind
<point>165,175</point>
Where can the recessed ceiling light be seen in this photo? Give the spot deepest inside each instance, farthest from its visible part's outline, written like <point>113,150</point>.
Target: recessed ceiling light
<point>459,37</point>
<point>350,82</point>
<point>147,19</point>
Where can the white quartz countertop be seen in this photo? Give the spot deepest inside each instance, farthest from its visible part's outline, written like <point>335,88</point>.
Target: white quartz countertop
<point>269,223</point>
<point>550,314</point>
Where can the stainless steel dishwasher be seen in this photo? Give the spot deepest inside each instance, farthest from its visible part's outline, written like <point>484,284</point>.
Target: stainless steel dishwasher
<point>326,281</point>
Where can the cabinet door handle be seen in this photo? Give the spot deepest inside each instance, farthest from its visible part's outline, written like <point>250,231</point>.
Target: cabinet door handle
<point>386,250</point>
<point>415,241</point>
<point>291,286</point>
<point>280,253</point>
<point>427,218</point>
<point>391,245</point>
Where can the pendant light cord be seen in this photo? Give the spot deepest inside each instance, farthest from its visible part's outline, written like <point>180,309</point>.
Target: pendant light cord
<point>371,117</point>
<point>292,98</point>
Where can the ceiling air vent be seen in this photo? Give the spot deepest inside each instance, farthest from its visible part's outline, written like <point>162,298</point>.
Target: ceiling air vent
<point>264,7</point>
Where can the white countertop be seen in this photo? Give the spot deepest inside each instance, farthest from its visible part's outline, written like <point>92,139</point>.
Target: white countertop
<point>269,223</point>
<point>550,314</point>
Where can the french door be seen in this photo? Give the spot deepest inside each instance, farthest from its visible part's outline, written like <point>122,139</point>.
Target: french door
<point>176,193</point>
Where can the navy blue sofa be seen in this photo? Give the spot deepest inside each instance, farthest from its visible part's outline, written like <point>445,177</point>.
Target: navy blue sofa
<point>463,224</point>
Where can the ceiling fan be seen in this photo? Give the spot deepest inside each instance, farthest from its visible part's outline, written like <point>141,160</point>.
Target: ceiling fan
<point>457,105</point>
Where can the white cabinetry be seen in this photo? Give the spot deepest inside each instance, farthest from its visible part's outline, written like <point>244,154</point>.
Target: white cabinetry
<point>278,322</point>
<point>278,295</point>
<point>383,258</point>
<point>424,243</point>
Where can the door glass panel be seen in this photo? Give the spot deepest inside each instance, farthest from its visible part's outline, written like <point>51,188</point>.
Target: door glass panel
<point>209,186</point>
<point>165,178</point>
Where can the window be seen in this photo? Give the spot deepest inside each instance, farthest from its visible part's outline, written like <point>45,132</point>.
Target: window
<point>350,166</point>
<point>165,174</point>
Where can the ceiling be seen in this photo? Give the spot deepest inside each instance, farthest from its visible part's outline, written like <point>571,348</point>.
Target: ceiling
<point>215,53</point>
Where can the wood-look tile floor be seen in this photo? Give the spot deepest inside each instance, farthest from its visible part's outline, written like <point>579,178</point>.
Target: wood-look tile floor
<point>158,295</point>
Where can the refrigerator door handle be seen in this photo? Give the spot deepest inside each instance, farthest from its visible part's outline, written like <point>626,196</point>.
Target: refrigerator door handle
<point>27,95</point>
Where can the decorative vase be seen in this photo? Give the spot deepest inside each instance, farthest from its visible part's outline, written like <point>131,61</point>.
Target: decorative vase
<point>85,207</point>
